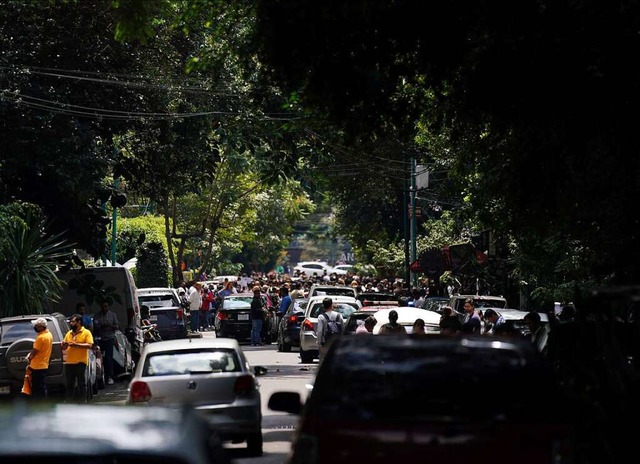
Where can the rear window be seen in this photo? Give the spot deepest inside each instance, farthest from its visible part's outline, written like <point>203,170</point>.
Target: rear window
<point>343,308</point>
<point>238,302</point>
<point>15,330</point>
<point>337,291</point>
<point>158,300</point>
<point>191,362</point>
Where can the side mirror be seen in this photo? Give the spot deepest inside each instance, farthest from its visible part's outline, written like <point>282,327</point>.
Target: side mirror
<point>260,370</point>
<point>286,402</point>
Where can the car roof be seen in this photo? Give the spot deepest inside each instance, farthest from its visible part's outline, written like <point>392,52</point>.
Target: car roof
<point>30,317</point>
<point>191,343</point>
<point>165,431</point>
<point>338,298</point>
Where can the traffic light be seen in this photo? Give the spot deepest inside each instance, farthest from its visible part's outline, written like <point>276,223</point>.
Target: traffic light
<point>118,200</point>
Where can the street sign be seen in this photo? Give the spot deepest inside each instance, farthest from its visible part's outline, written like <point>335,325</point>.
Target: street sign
<point>415,266</point>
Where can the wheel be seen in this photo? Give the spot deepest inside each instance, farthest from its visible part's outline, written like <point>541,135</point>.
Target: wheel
<point>306,357</point>
<point>254,444</point>
<point>286,347</point>
<point>94,388</point>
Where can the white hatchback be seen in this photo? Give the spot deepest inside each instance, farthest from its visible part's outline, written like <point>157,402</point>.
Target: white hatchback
<point>309,348</point>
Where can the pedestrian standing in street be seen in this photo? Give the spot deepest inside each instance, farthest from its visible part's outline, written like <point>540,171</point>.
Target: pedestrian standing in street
<point>257,317</point>
<point>472,323</point>
<point>105,324</point>
<point>392,327</point>
<point>38,359</point>
<point>418,327</point>
<point>330,324</point>
<point>195,302</point>
<point>449,322</point>
<point>77,341</point>
<point>87,319</point>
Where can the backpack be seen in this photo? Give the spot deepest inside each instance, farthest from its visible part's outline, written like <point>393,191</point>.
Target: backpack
<point>334,327</point>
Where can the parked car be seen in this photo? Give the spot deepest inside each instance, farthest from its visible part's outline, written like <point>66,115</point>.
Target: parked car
<point>164,310</point>
<point>116,286</point>
<point>430,399</point>
<point>211,375</point>
<point>290,323</point>
<point>332,290</point>
<point>309,347</point>
<point>233,318</point>
<point>342,269</point>
<point>16,341</point>
<point>407,315</point>
<point>106,434</point>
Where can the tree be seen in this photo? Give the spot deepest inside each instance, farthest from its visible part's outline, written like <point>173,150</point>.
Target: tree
<point>29,255</point>
<point>151,267</point>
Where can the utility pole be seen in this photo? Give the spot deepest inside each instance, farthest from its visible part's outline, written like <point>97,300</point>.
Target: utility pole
<point>414,221</point>
<point>405,215</point>
<point>114,229</point>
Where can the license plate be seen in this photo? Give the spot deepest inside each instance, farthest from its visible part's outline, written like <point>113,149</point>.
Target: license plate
<point>243,317</point>
<point>5,390</point>
<point>153,318</point>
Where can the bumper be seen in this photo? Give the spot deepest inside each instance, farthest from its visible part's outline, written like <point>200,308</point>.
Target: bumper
<point>234,329</point>
<point>308,341</point>
<point>233,421</point>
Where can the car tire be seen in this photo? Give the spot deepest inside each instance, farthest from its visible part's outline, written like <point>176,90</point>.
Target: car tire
<point>254,444</point>
<point>15,357</point>
<point>306,357</point>
<point>286,347</point>
<point>100,382</point>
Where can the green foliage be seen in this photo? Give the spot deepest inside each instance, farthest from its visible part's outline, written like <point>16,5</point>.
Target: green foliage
<point>151,266</point>
<point>28,258</point>
<point>148,228</point>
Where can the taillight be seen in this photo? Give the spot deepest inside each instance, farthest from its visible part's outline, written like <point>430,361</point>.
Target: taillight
<point>222,316</point>
<point>307,325</point>
<point>244,385</point>
<point>140,392</point>
<point>367,303</point>
<point>293,319</point>
<point>130,314</point>
<point>179,314</point>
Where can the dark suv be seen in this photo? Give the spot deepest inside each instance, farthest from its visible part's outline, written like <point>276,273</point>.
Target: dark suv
<point>16,341</point>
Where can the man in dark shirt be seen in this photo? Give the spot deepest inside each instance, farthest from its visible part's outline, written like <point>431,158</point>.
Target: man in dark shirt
<point>257,316</point>
<point>471,323</point>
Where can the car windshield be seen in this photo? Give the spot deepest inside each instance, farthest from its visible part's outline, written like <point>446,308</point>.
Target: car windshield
<point>343,308</point>
<point>401,382</point>
<point>191,362</point>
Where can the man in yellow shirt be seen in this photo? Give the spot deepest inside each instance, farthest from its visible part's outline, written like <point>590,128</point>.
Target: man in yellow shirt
<point>39,359</point>
<point>78,341</point>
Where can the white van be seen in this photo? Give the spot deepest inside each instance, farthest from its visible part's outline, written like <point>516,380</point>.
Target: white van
<point>113,284</point>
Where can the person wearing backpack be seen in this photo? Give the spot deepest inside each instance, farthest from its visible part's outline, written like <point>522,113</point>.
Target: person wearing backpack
<point>330,325</point>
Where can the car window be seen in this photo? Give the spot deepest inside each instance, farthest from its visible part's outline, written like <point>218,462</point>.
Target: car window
<point>12,331</point>
<point>237,303</point>
<point>158,300</point>
<point>191,361</point>
<point>343,308</point>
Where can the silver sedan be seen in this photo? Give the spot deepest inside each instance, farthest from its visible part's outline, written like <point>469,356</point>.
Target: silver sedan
<point>210,375</point>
